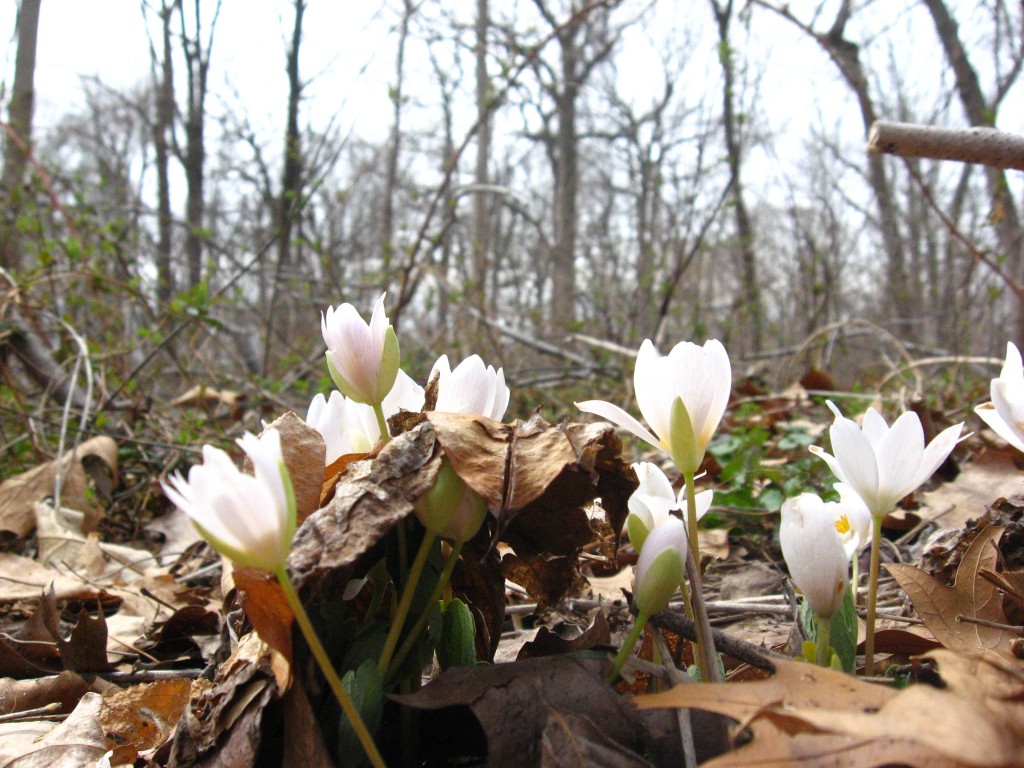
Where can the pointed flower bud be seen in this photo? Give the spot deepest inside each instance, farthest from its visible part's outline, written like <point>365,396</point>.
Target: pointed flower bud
<point>659,571</point>
<point>470,388</point>
<point>818,562</point>
<point>699,378</point>
<point>362,357</point>
<point>1005,414</point>
<point>247,518</point>
<point>654,500</point>
<point>451,509</point>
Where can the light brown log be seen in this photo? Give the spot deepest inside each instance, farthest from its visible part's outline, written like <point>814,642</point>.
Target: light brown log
<point>985,146</point>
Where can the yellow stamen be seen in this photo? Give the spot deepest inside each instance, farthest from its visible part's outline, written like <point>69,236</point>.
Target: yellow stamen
<point>843,525</point>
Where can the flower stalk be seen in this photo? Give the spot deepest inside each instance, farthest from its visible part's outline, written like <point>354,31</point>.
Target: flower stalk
<point>324,662</point>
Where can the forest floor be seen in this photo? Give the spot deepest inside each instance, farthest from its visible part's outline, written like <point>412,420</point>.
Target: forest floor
<point>125,640</point>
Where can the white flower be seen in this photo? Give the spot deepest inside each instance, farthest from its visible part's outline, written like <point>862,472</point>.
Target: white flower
<point>653,501</point>
<point>699,379</point>
<point>855,532</point>
<point>882,464</point>
<point>660,568</point>
<point>470,388</point>
<point>349,427</point>
<point>818,562</point>
<point>1005,414</point>
<point>362,358</point>
<point>248,518</point>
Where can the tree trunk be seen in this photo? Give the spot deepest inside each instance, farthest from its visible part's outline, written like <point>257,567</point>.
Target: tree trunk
<point>480,235</point>
<point>197,59</point>
<point>563,296</point>
<point>748,307</point>
<point>387,219</point>
<point>289,202</point>
<point>18,141</point>
<point>980,112</point>
<point>162,127</point>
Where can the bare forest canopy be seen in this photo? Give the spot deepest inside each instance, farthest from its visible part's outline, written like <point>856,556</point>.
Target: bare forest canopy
<point>559,180</point>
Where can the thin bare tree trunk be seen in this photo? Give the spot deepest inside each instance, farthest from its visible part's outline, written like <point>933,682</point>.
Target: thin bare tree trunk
<point>481,220</point>
<point>197,59</point>
<point>289,202</point>
<point>162,128</point>
<point>748,306</point>
<point>980,112</point>
<point>387,219</point>
<point>18,141</point>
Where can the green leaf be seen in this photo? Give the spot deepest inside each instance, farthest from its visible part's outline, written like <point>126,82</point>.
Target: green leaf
<point>365,688</point>
<point>844,631</point>
<point>457,647</point>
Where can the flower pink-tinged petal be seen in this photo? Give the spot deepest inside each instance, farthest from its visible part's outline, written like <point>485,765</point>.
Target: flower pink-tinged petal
<point>243,516</point>
<point>817,560</point>
<point>899,457</point>
<point>620,418</point>
<point>855,456</point>
<point>357,350</point>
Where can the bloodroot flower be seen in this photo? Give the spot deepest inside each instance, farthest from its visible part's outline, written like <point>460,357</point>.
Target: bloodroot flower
<point>247,518</point>
<point>682,396</point>
<point>362,357</point>
<point>1005,414</point>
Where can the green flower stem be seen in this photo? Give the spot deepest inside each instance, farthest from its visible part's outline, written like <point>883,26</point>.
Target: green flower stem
<point>302,619</point>
<point>382,423</point>
<point>869,639</point>
<point>823,651</point>
<point>704,651</point>
<point>398,620</point>
<point>421,622</point>
<point>627,647</point>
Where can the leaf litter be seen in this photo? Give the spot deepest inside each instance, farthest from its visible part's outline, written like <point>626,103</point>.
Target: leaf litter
<point>152,670</point>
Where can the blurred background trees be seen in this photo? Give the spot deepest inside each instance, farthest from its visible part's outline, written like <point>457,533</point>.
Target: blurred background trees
<point>561,180</point>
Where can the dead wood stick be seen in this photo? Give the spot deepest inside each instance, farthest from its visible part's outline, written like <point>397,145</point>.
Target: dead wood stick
<point>986,146</point>
<point>753,655</point>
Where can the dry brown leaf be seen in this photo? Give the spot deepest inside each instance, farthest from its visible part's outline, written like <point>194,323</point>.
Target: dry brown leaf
<point>18,494</point>
<point>794,685</point>
<point>219,403</point>
<point>303,739</point>
<point>977,729</point>
<point>143,716</point>
<point>76,742</point>
<point>991,475</point>
<point>303,450</point>
<point>571,740</point>
<point>265,604</point>
<point>772,745</point>
<point>970,596</point>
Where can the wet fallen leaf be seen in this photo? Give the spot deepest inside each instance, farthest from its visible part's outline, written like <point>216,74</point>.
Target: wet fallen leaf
<point>547,643</point>
<point>939,605</point>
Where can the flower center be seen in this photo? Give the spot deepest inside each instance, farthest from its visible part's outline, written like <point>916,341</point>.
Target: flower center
<point>843,525</point>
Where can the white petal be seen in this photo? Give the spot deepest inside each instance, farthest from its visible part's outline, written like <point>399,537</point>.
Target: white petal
<point>988,414</point>
<point>856,458</point>
<point>875,427</point>
<point>1013,368</point>
<point>938,451</point>
<point>652,387</point>
<point>620,418</point>
<point>816,558</point>
<point>899,457</point>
